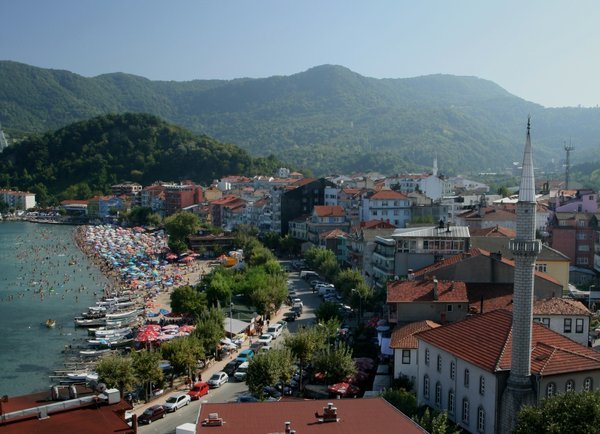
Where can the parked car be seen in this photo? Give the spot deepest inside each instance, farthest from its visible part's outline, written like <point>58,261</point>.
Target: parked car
<point>275,330</point>
<point>152,413</point>
<point>247,398</point>
<point>242,371</point>
<point>177,401</point>
<point>289,316</point>
<point>231,367</point>
<point>283,325</point>
<point>198,390</point>
<point>265,348</point>
<point>218,379</point>
<point>265,338</point>
<point>245,355</point>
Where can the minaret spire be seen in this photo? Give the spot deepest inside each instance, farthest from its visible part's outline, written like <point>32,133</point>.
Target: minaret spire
<point>527,188</point>
<point>525,249</point>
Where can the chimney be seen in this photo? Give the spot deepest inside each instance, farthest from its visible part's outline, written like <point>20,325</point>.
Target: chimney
<point>435,289</point>
<point>411,274</point>
<point>288,428</point>
<point>448,227</point>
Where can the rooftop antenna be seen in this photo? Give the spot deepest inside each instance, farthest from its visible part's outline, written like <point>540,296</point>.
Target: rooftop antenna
<point>568,149</point>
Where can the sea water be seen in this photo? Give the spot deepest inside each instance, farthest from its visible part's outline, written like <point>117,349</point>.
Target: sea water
<point>43,275</point>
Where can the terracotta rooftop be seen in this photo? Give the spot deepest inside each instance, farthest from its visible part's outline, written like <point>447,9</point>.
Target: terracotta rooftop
<point>301,182</point>
<point>451,260</point>
<point>334,233</point>
<point>410,291</point>
<point>559,306</point>
<point>387,195</point>
<point>93,419</point>
<point>356,416</point>
<point>404,336</point>
<point>496,231</point>
<point>375,224</point>
<point>329,211</point>
<point>486,341</point>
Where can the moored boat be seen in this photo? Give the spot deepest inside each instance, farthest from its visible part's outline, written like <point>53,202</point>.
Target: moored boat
<point>50,323</point>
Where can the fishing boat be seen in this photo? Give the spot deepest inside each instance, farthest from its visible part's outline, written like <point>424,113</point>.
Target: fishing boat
<point>82,376</point>
<point>122,315</point>
<point>94,353</point>
<point>89,322</point>
<point>104,331</point>
<point>50,323</point>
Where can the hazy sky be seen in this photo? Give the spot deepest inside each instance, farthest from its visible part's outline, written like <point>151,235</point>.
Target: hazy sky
<point>544,51</point>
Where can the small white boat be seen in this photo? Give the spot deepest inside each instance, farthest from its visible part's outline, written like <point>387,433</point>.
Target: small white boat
<point>121,315</point>
<point>50,323</point>
<point>93,353</point>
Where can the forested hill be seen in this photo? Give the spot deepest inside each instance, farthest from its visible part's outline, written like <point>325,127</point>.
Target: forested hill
<point>328,118</point>
<point>89,156</point>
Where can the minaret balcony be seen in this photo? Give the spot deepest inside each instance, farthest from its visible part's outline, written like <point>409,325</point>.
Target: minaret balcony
<point>525,247</point>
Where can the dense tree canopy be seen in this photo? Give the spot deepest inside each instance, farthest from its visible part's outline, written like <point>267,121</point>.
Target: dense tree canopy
<point>88,157</point>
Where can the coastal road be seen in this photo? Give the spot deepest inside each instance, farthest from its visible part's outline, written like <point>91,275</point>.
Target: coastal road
<point>189,414</point>
<point>230,391</point>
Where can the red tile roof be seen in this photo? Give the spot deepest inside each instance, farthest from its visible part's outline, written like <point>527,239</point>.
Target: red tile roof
<point>486,341</point>
<point>301,182</point>
<point>388,194</point>
<point>376,224</point>
<point>496,231</point>
<point>404,336</point>
<point>329,211</point>
<point>451,260</point>
<point>334,233</point>
<point>93,419</point>
<point>356,416</point>
<point>411,291</point>
<point>559,306</point>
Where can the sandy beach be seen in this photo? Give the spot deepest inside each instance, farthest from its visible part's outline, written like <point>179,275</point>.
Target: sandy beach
<point>131,259</point>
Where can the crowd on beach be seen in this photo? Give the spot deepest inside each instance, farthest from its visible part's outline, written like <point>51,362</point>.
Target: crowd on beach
<point>137,260</point>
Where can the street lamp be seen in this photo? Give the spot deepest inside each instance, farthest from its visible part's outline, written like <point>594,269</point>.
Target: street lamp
<point>231,321</point>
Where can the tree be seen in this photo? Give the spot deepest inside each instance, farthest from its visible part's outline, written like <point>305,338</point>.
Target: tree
<point>209,329</point>
<point>303,346</point>
<point>183,353</point>
<point>402,399</point>
<point>327,311</point>
<point>335,363</point>
<point>565,413</point>
<point>179,226</point>
<point>503,191</point>
<point>268,369</point>
<point>188,300</point>
<point>116,371</point>
<point>147,369</point>
<point>218,289</point>
<point>346,280</point>
<point>437,423</point>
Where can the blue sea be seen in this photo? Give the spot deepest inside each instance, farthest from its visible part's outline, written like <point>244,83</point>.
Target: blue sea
<point>43,275</point>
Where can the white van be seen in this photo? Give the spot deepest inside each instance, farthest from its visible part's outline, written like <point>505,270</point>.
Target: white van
<point>275,330</point>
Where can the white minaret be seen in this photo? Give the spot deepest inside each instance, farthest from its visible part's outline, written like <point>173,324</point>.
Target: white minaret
<point>435,168</point>
<point>525,249</point>
<point>3,141</point>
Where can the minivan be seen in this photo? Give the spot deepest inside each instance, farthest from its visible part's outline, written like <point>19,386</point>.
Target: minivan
<point>275,330</point>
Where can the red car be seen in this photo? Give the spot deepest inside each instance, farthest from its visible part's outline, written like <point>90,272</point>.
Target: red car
<point>198,390</point>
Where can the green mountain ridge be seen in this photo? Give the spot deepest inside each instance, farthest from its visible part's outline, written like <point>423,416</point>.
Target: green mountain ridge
<point>328,118</point>
<point>89,156</point>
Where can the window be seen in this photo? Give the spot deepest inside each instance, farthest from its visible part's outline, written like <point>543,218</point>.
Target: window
<point>587,384</point>
<point>567,325</point>
<point>570,386</point>
<point>465,411</point>
<point>550,390</point>
<point>452,370</point>
<point>451,401</point>
<point>427,356</point>
<point>482,385</point>
<point>466,378</point>
<point>438,394</point>
<point>582,261</point>
<point>439,363</point>
<point>583,248</point>
<point>449,308</point>
<point>405,357</point>
<point>426,386</point>
<point>541,267</point>
<point>374,212</point>
<point>546,322</point>
<point>579,325</point>
<point>580,236</point>
<point>480,419</point>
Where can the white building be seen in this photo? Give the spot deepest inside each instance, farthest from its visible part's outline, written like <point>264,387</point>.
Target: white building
<point>19,200</point>
<point>386,205</point>
<point>464,367</point>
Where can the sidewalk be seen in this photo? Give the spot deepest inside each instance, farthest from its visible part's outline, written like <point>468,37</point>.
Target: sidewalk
<point>179,386</point>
